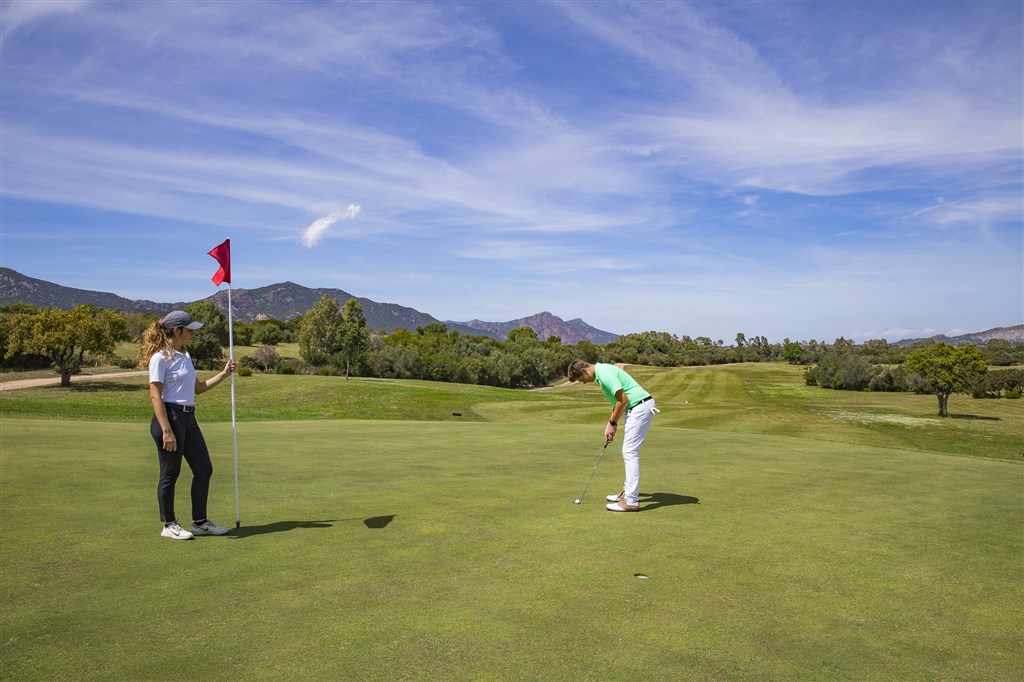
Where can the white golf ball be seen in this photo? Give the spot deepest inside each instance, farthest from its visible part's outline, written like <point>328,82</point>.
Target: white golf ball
<point>576,502</point>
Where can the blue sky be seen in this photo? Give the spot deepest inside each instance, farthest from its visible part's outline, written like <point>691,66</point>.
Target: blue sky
<point>806,170</point>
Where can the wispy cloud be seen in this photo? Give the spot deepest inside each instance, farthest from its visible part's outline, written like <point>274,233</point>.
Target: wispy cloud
<point>740,159</point>
<point>312,235</point>
<point>18,13</point>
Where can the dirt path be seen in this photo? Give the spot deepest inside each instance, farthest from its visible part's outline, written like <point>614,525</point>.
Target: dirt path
<point>31,383</point>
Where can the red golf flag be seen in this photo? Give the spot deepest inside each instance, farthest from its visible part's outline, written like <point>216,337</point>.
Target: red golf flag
<point>222,252</point>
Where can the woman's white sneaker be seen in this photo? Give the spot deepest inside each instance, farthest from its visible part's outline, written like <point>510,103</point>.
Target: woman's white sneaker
<point>175,532</point>
<point>208,528</point>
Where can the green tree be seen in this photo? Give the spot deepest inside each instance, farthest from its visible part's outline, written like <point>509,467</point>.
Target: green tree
<point>1003,353</point>
<point>352,340</point>
<point>268,332</point>
<point>243,334</point>
<point>18,360</point>
<point>523,335</point>
<point>65,336</point>
<point>432,328</point>
<point>319,331</point>
<point>586,350</point>
<point>207,347</point>
<point>793,353</point>
<point>942,370</point>
<point>401,337</point>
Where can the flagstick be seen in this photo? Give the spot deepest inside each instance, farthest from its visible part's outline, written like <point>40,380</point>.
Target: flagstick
<point>234,429</point>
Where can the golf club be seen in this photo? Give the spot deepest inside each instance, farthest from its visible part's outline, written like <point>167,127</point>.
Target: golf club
<point>579,500</point>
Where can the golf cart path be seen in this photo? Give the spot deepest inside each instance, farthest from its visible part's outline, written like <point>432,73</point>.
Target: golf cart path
<point>31,383</point>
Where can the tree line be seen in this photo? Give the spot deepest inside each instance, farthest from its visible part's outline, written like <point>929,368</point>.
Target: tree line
<point>333,339</point>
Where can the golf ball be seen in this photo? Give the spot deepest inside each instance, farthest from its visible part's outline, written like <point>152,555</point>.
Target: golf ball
<point>575,501</point>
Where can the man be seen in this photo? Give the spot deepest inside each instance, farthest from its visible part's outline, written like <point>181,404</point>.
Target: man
<point>631,403</point>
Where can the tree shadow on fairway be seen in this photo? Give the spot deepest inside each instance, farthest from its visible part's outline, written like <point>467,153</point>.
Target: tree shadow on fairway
<point>651,501</point>
<point>278,527</point>
<point>100,387</point>
<point>975,417</point>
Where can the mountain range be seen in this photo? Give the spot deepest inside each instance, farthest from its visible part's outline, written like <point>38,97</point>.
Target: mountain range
<point>287,300</point>
<point>1013,334</point>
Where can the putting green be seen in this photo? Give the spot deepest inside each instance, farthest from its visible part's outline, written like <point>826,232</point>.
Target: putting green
<point>452,550</point>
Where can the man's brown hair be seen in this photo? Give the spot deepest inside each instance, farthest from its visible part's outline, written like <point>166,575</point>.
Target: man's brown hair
<point>576,369</point>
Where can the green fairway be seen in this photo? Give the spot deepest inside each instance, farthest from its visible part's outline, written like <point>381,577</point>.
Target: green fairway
<point>788,533</point>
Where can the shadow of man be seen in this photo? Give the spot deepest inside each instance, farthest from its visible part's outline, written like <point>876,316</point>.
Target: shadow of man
<point>649,501</point>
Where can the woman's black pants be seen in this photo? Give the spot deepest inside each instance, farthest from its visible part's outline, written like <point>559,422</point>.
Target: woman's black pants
<point>191,448</point>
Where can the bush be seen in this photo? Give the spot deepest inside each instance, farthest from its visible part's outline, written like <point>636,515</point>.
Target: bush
<point>266,358</point>
<point>244,372</point>
<point>286,369</point>
<point>847,372</point>
<point>999,383</point>
<point>890,379</point>
<point>123,363</point>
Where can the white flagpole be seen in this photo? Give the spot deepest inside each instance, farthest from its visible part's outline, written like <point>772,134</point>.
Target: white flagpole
<point>234,429</point>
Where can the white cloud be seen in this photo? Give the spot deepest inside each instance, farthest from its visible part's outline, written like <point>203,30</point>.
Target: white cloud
<point>318,228</point>
<point>18,13</point>
<point>777,168</point>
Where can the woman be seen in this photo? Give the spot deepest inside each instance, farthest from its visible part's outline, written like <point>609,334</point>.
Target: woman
<point>173,387</point>
<point>630,401</point>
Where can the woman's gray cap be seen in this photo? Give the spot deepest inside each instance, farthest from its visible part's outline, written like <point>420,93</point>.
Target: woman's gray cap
<point>179,318</point>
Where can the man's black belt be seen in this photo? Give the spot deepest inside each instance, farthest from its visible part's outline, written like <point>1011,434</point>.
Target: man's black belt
<point>183,408</point>
<point>650,397</point>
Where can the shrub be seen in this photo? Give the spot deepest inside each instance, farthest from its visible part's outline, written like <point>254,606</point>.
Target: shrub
<point>123,363</point>
<point>266,358</point>
<point>244,372</point>
<point>847,372</point>
<point>890,379</point>
<point>999,383</point>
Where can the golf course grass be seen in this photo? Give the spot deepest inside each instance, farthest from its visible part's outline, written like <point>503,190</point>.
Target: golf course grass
<point>403,530</point>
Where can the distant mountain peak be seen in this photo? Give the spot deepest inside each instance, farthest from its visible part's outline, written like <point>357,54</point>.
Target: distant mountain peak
<point>546,325</point>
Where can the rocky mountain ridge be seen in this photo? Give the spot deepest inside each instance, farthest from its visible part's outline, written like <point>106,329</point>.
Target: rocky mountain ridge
<point>1013,334</point>
<point>546,325</point>
<point>284,301</point>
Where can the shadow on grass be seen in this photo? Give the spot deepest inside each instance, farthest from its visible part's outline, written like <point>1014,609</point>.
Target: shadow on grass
<point>278,527</point>
<point>975,417</point>
<point>651,501</point>
<point>98,387</point>
<point>379,521</point>
<point>282,526</point>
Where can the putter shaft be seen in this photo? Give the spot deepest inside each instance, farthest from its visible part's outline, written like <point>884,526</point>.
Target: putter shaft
<point>594,471</point>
